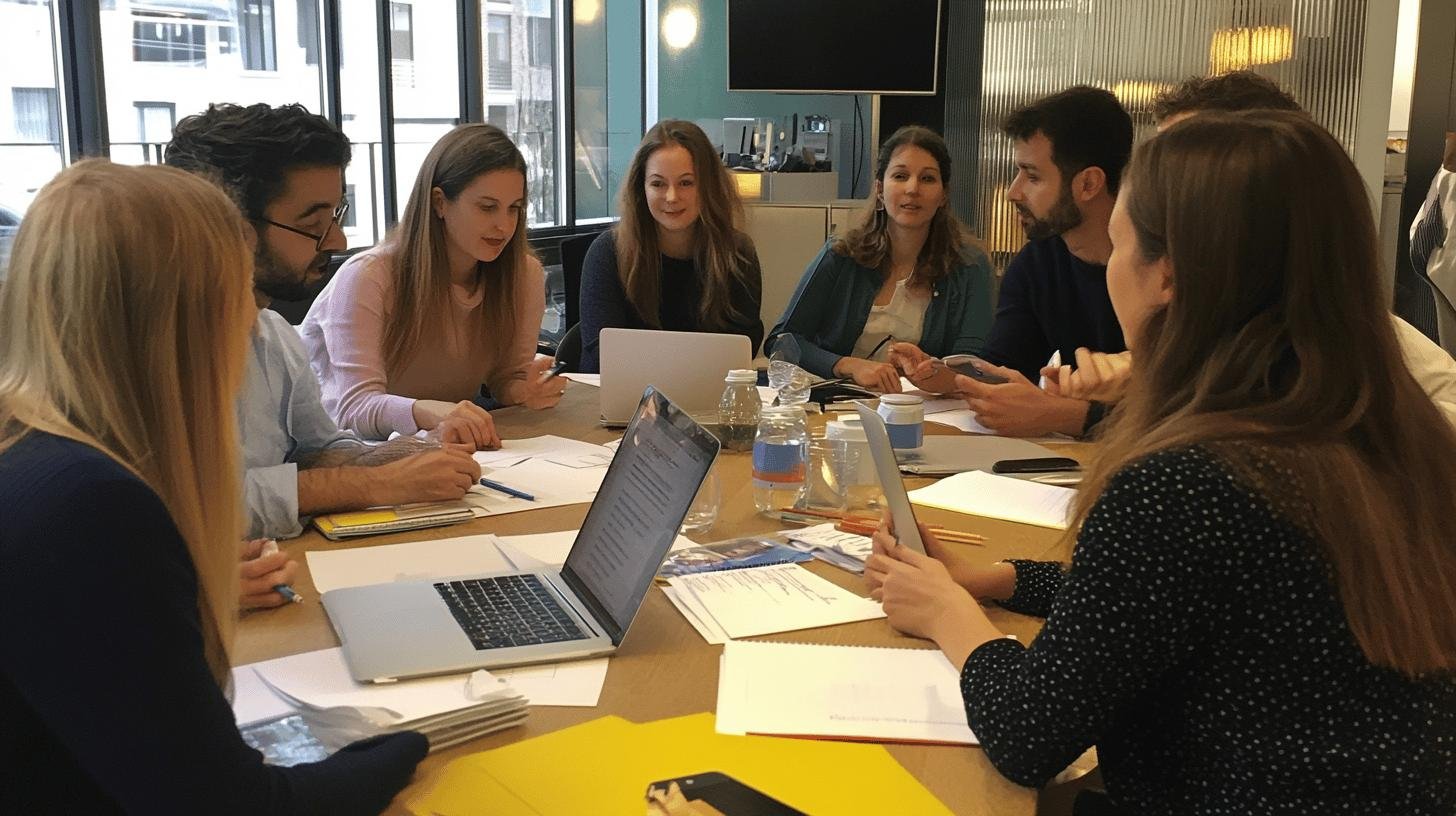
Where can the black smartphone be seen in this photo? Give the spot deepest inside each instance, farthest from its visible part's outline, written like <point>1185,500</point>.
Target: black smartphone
<point>553,371</point>
<point>971,367</point>
<point>726,795</point>
<point>1049,464</point>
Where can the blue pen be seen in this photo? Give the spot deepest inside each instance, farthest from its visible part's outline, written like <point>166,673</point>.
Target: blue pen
<point>287,592</point>
<point>509,491</point>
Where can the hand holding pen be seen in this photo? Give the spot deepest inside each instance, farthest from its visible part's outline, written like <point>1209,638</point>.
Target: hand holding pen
<point>265,574</point>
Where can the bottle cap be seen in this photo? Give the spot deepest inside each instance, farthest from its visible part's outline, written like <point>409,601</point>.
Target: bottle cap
<point>742,375</point>
<point>902,399</point>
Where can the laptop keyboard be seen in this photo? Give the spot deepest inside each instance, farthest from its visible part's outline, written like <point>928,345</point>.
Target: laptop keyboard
<point>508,610</point>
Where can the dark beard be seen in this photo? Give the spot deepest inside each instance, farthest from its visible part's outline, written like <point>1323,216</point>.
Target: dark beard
<point>1064,216</point>
<point>278,282</point>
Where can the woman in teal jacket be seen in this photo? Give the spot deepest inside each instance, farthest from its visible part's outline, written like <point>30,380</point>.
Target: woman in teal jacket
<point>909,271</point>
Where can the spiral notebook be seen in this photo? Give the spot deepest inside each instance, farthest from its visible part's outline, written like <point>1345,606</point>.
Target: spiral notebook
<point>840,692</point>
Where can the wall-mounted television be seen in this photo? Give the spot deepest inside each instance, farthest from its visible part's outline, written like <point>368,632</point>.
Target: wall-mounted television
<point>833,46</point>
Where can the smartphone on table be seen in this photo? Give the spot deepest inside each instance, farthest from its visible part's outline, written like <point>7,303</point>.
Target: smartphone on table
<point>1046,464</point>
<point>722,794</point>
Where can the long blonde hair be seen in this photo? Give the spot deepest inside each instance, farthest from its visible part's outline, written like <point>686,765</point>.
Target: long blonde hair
<point>124,326</point>
<point>416,248</point>
<point>722,251</point>
<point>1277,354</point>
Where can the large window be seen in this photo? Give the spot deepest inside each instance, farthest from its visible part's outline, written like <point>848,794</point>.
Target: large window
<point>187,54</point>
<point>163,60</point>
<point>30,113</point>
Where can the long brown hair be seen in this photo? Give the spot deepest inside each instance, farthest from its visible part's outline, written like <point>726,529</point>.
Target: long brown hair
<point>1276,352</point>
<point>721,248</point>
<point>416,248</point>
<point>868,242</point>
<point>124,326</point>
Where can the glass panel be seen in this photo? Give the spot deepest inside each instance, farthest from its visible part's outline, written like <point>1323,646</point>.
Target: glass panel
<point>607,48</point>
<point>519,38</point>
<point>1312,48</point>
<point>426,85</point>
<point>30,116</point>
<point>188,53</point>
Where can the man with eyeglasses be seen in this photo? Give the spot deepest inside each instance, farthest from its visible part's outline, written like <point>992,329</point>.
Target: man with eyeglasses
<point>285,169</point>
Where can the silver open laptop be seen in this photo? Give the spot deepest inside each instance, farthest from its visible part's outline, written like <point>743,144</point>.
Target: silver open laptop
<point>688,367</point>
<point>404,629</point>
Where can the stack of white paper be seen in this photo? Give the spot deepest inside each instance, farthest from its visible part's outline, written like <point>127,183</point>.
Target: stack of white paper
<point>849,692</point>
<point>763,600</point>
<point>554,470</point>
<point>447,710</point>
<point>847,551</point>
<point>978,493</point>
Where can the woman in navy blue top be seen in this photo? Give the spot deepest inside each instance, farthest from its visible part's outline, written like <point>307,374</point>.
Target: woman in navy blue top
<point>1260,611</point>
<point>908,272</point>
<point>123,329</point>
<point>679,259</point>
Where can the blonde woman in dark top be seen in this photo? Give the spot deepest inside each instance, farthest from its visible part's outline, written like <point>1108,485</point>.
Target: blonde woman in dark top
<point>1260,611</point>
<point>679,259</point>
<point>123,329</point>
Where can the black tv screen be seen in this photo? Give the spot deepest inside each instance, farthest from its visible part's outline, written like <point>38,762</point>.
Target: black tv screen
<point>833,46</point>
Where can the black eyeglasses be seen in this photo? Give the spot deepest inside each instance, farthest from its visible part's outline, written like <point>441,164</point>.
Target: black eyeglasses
<point>337,221</point>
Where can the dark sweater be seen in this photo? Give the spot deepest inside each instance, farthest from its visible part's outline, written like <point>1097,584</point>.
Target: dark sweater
<point>106,700</point>
<point>1198,642</point>
<point>1051,301</point>
<point>832,303</point>
<point>604,302</point>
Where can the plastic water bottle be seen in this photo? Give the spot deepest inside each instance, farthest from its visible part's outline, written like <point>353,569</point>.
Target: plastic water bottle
<point>780,456</point>
<point>738,409</point>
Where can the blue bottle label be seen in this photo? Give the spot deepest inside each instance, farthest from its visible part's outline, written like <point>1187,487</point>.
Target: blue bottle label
<point>906,436</point>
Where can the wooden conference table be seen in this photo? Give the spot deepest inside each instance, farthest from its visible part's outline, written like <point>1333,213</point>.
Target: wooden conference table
<point>664,668</point>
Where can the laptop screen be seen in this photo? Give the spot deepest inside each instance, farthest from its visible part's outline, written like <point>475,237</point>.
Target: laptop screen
<point>634,518</point>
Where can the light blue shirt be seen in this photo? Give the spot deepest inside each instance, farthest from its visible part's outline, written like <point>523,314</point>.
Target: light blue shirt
<point>281,418</point>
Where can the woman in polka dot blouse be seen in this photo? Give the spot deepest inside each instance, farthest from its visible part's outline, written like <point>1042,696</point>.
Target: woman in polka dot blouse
<point>1260,611</point>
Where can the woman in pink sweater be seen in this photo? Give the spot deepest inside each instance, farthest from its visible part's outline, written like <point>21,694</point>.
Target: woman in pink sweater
<point>406,333</point>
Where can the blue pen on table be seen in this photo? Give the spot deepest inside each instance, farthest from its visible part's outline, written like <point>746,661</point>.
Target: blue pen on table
<point>509,491</point>
<point>269,547</point>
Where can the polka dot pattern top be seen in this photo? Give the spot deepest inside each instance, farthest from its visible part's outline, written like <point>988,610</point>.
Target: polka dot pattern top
<point>1198,642</point>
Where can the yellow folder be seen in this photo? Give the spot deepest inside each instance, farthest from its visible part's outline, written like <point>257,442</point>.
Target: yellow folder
<point>604,767</point>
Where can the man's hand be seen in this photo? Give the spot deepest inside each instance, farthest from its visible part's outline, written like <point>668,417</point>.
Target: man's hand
<point>1018,408</point>
<point>439,474</point>
<point>1098,377</point>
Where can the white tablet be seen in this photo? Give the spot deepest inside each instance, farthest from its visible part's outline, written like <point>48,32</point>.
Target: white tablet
<point>888,470</point>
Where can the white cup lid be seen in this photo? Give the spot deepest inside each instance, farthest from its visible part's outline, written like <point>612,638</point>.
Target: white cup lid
<point>742,375</point>
<point>902,399</point>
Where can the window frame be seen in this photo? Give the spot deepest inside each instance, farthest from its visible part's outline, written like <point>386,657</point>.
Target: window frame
<point>85,128</point>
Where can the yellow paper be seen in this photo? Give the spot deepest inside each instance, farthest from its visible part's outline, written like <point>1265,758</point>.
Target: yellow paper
<point>604,767</point>
<point>357,518</point>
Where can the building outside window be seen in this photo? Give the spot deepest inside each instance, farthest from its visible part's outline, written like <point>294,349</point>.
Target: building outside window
<point>497,52</point>
<point>37,117</point>
<point>165,39</point>
<point>260,49</point>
